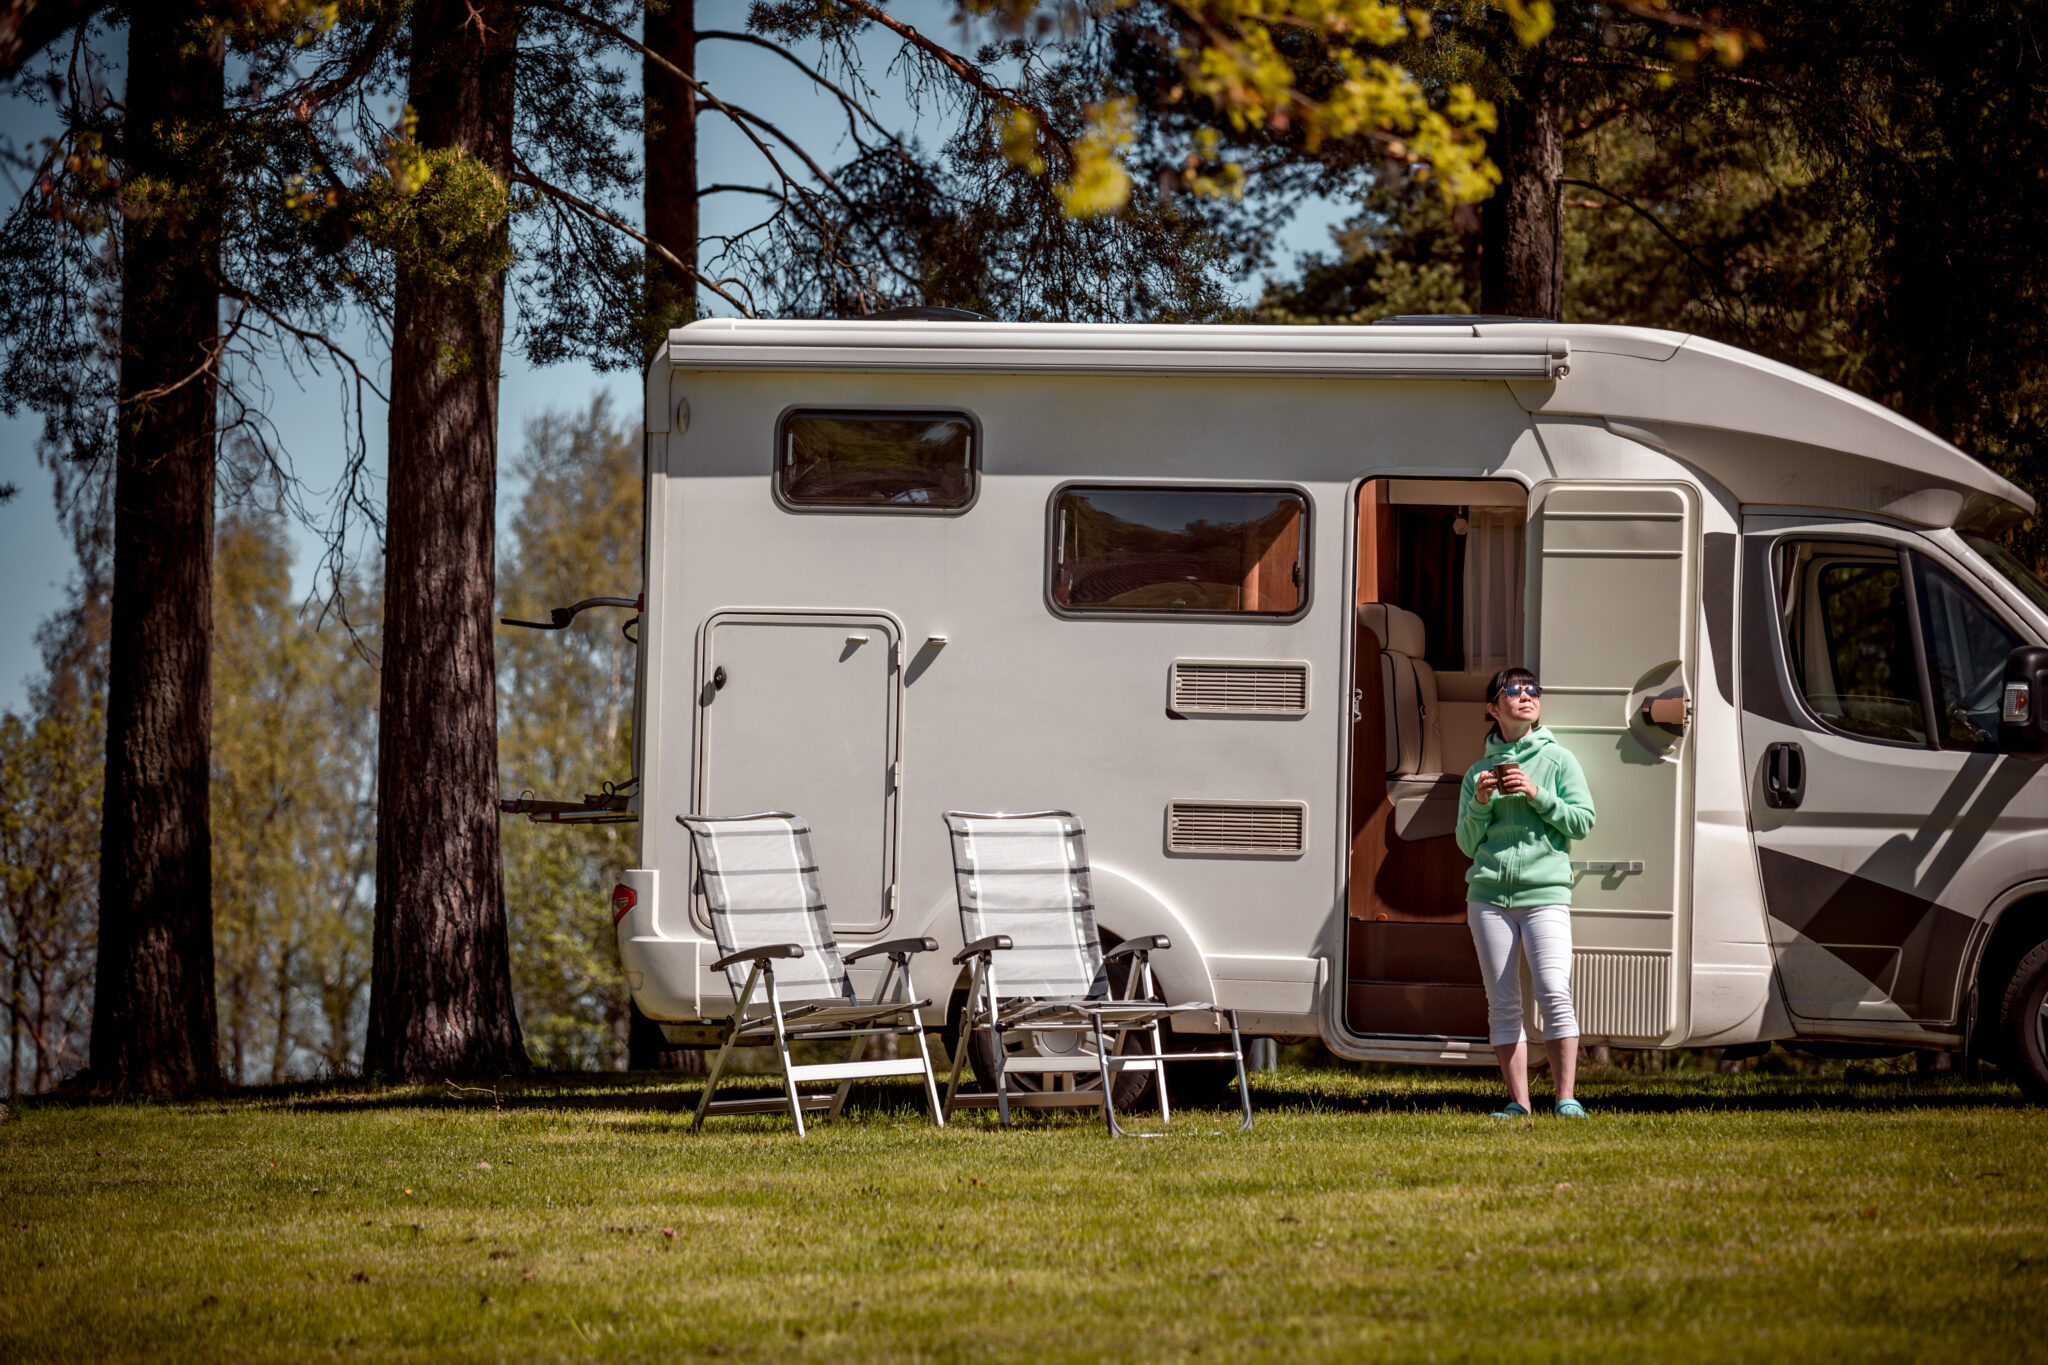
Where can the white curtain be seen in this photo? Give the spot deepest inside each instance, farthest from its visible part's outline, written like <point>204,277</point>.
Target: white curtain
<point>1493,589</point>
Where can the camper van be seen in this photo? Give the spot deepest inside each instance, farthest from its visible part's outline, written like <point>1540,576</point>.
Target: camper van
<point>1232,595</point>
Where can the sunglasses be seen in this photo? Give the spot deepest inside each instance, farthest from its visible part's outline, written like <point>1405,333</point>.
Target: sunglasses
<point>1522,690</point>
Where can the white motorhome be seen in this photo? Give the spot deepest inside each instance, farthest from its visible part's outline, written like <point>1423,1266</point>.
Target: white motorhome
<point>1231,595</point>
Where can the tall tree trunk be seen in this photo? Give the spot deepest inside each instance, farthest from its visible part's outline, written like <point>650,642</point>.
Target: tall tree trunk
<point>441,974</point>
<point>670,29</point>
<point>153,1026</point>
<point>1521,268</point>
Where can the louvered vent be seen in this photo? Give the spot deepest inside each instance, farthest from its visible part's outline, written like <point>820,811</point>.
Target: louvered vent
<point>1622,993</point>
<point>1237,688</point>
<point>1259,829</point>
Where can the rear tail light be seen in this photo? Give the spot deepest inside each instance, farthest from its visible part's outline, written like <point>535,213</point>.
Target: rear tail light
<point>623,900</point>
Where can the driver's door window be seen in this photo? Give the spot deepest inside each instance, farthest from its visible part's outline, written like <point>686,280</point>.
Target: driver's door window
<point>1966,649</point>
<point>1852,612</point>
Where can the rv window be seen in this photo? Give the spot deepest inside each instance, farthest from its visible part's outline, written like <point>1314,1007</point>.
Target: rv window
<point>1966,649</point>
<point>876,461</point>
<point>1179,551</point>
<point>1851,642</point>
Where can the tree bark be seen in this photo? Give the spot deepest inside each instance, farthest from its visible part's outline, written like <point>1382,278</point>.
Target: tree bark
<point>1521,267</point>
<point>441,974</point>
<point>153,1026</point>
<point>670,146</point>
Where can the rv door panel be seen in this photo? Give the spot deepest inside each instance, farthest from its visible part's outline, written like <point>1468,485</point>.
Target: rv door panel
<point>806,721</point>
<point>1613,591</point>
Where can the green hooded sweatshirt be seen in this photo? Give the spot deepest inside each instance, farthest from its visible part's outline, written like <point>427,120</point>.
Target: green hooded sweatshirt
<point>1520,846</point>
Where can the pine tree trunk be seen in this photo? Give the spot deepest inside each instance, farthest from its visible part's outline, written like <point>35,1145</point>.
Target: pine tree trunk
<point>153,1026</point>
<point>671,157</point>
<point>441,974</point>
<point>1520,266</point>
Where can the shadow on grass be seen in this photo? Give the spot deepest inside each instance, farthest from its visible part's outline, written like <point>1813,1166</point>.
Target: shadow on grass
<point>1326,1091</point>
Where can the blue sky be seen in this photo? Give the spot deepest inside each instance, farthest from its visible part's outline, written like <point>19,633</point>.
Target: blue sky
<point>35,557</point>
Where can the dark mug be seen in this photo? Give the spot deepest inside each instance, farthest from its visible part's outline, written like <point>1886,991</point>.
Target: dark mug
<point>1500,774</point>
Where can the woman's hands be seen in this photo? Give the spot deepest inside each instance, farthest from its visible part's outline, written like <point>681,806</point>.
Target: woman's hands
<point>1517,783</point>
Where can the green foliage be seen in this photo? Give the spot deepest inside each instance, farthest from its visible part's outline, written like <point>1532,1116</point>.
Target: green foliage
<point>293,815</point>
<point>565,728</point>
<point>1368,1216</point>
<point>443,217</point>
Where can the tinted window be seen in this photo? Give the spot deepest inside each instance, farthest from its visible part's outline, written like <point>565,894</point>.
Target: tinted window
<point>1852,644</point>
<point>1966,649</point>
<point>884,462</point>
<point>1173,550</point>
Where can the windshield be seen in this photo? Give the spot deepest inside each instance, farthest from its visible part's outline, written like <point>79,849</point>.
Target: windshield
<point>2009,564</point>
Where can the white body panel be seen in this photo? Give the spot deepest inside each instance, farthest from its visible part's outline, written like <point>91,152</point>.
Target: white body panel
<point>997,702</point>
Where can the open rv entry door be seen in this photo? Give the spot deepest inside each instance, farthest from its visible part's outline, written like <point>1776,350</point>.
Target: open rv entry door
<point>1613,581</point>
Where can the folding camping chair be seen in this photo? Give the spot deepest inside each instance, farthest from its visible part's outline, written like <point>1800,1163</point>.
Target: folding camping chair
<point>1038,965</point>
<point>760,884</point>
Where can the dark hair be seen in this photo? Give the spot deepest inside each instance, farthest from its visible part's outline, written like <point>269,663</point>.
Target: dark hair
<point>1500,680</point>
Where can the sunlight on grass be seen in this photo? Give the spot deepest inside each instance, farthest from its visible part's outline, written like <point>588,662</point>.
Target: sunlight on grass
<point>1369,1215</point>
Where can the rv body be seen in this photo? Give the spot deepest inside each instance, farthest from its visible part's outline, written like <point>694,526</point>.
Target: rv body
<point>1266,768</point>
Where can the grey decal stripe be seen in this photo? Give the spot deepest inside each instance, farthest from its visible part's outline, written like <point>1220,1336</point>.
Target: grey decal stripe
<point>1851,915</point>
<point>1717,592</point>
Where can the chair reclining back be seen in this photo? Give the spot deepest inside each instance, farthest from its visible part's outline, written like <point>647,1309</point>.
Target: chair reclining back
<point>1027,876</point>
<point>761,888</point>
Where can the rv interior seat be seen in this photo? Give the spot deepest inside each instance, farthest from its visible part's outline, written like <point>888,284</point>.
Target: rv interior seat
<point>1425,797</point>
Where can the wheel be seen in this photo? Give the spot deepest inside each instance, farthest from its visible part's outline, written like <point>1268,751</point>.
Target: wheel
<point>2023,1023</point>
<point>1133,1089</point>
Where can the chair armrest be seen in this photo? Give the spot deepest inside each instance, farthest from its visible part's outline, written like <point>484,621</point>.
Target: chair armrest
<point>758,955</point>
<point>1144,943</point>
<point>982,947</point>
<point>895,947</point>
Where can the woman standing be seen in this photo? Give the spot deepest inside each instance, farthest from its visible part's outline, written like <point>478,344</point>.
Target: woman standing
<point>1520,808</point>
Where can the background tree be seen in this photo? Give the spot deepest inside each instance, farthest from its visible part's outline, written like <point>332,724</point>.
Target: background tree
<point>567,729</point>
<point>294,811</point>
<point>441,985</point>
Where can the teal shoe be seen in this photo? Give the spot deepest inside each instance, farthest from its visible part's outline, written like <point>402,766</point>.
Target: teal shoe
<point>1513,1111</point>
<point>1570,1109</point>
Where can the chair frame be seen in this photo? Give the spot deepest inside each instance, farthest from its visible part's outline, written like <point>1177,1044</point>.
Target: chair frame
<point>1106,1018</point>
<point>811,1022</point>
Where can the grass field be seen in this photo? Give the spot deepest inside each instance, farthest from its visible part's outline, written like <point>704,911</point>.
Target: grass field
<point>1370,1216</point>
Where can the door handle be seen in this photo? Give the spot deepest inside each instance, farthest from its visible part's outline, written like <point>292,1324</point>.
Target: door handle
<point>1784,775</point>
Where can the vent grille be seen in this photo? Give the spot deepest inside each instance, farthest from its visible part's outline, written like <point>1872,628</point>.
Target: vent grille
<point>1200,688</point>
<point>1619,993</point>
<point>1259,829</point>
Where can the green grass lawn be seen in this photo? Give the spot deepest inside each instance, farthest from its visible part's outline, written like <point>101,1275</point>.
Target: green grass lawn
<point>1370,1215</point>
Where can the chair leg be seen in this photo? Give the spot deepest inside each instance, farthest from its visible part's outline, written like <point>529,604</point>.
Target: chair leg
<point>1244,1086</point>
<point>931,1082</point>
<point>796,1104</point>
<point>1159,1071</point>
<point>995,1033</point>
<point>732,1033</point>
<point>960,1043</point>
<point>1102,1064</point>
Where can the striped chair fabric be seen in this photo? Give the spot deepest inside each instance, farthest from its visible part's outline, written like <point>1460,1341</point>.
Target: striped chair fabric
<point>761,887</point>
<point>1028,878</point>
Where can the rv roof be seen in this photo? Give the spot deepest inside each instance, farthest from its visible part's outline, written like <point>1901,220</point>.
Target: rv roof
<point>1742,418</point>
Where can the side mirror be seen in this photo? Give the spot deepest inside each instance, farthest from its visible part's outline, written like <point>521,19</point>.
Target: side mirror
<point>2021,697</point>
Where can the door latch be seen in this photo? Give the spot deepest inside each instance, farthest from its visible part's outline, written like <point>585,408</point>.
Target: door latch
<point>1784,775</point>
<point>1357,705</point>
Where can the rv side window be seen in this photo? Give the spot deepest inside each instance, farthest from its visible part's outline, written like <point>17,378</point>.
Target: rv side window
<point>1179,551</point>
<point>1850,638</point>
<point>875,461</point>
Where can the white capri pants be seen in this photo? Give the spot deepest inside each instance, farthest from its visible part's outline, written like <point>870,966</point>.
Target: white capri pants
<point>1544,934</point>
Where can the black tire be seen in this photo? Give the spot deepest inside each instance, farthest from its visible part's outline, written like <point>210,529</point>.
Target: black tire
<point>2023,1023</point>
